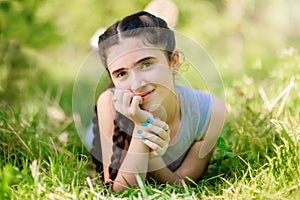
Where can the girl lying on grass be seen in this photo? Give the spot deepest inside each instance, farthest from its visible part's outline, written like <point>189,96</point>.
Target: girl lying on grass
<point>146,125</point>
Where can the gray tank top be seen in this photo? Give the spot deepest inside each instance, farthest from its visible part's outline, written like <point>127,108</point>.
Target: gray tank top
<point>195,108</point>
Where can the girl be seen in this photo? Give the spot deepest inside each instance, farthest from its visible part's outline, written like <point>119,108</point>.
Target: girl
<point>146,125</point>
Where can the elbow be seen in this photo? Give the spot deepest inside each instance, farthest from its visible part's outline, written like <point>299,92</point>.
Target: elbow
<point>191,180</point>
<point>185,181</point>
<point>118,187</point>
<point>181,180</point>
<point>126,182</point>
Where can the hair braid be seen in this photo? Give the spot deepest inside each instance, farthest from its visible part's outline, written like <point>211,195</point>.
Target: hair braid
<point>122,131</point>
<point>154,31</point>
<point>118,146</point>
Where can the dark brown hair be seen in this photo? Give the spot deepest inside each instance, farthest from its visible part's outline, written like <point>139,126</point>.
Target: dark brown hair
<point>153,31</point>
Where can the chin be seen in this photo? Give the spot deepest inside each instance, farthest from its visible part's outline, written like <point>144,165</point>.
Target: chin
<point>156,109</point>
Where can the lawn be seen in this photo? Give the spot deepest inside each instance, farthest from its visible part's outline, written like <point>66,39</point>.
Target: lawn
<point>255,46</point>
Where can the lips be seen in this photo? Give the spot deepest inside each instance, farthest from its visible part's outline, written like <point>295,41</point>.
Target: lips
<point>146,95</point>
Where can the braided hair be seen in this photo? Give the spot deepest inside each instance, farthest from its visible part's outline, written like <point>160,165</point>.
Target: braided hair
<point>153,31</point>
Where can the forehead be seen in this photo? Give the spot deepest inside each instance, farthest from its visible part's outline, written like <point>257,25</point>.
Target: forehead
<point>130,48</point>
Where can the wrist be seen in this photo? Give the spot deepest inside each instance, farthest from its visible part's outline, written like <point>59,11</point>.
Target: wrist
<point>138,138</point>
<point>156,163</point>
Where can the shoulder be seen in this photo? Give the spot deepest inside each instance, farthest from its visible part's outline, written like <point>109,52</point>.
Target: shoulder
<point>104,101</point>
<point>105,111</point>
<point>105,97</point>
<point>215,126</point>
<point>197,106</point>
<point>218,107</point>
<point>218,112</point>
<point>190,94</point>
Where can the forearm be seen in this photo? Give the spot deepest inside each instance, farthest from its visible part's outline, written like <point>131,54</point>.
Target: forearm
<point>134,163</point>
<point>192,167</point>
<point>160,172</point>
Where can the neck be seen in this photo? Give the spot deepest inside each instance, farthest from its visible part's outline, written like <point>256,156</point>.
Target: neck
<point>174,119</point>
<point>172,106</point>
<point>169,109</point>
<point>170,112</point>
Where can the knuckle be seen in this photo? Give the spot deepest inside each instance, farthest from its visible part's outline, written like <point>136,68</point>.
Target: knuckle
<point>131,112</point>
<point>160,131</point>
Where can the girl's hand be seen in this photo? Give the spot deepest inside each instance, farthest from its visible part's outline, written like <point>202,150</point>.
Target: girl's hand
<point>156,135</point>
<point>126,103</point>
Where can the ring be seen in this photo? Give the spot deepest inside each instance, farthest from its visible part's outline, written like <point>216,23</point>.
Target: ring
<point>166,128</point>
<point>115,99</point>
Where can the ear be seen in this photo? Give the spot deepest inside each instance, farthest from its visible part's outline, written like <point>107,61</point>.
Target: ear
<point>175,61</point>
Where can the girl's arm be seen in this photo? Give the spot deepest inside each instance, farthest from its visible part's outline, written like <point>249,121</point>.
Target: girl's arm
<point>199,155</point>
<point>135,161</point>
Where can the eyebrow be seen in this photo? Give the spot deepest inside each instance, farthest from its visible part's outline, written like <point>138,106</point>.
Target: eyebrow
<point>136,63</point>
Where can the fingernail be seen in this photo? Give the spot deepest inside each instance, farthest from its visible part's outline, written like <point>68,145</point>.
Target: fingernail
<point>143,138</point>
<point>144,124</point>
<point>149,120</point>
<point>139,131</point>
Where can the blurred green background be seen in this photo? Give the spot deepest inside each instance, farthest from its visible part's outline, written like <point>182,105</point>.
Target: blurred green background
<point>43,43</point>
<point>254,44</point>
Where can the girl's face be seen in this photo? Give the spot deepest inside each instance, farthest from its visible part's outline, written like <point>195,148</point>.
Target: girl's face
<point>141,69</point>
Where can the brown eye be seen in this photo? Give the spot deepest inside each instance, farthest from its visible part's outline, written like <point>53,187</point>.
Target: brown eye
<point>121,74</point>
<point>146,65</point>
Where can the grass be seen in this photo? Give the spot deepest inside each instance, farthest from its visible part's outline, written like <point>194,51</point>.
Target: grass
<point>257,155</point>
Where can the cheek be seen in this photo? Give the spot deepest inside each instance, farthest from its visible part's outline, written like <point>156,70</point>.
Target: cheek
<point>121,84</point>
<point>166,76</point>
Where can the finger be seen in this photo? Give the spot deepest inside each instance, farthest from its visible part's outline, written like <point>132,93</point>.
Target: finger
<point>115,100</point>
<point>154,154</point>
<point>159,123</point>
<point>154,138</point>
<point>165,135</point>
<point>134,108</point>
<point>136,101</point>
<point>151,145</point>
<point>127,98</point>
<point>119,93</point>
<point>156,150</point>
<point>159,152</point>
<point>117,97</point>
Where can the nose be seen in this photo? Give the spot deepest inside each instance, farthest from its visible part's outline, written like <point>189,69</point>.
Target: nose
<point>138,82</point>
